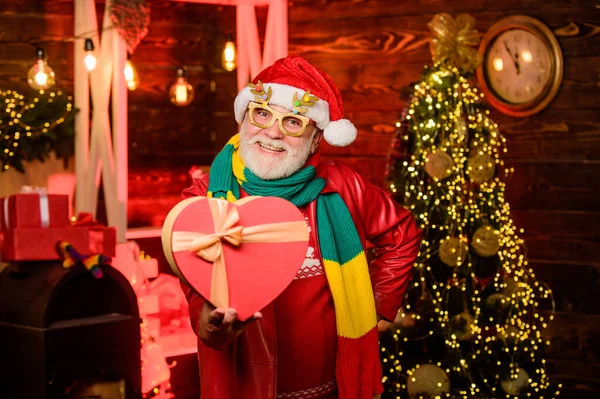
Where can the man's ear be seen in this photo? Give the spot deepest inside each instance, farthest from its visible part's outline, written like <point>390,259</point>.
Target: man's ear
<point>316,140</point>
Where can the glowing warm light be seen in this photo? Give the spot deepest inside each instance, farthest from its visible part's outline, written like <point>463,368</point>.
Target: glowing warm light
<point>40,75</point>
<point>181,92</point>
<point>229,59</point>
<point>131,75</point>
<point>504,318</point>
<point>526,55</point>
<point>90,58</point>
<point>498,64</point>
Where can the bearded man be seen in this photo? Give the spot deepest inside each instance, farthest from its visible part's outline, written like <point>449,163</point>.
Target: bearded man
<point>319,338</point>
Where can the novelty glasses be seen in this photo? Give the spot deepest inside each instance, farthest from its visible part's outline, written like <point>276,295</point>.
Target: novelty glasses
<point>290,124</point>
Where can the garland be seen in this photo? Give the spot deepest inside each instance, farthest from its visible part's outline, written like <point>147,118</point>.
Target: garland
<point>33,129</point>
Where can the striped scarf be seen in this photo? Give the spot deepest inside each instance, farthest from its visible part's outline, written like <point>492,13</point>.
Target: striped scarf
<point>358,371</point>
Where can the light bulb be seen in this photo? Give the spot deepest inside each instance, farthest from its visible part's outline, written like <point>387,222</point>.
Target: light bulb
<point>131,75</point>
<point>229,58</point>
<point>40,75</point>
<point>181,93</point>
<point>90,58</point>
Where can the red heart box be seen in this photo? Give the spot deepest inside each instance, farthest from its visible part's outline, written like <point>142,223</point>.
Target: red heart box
<point>273,242</point>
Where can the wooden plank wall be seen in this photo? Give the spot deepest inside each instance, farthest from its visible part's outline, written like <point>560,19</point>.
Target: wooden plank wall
<point>164,140</point>
<point>373,49</point>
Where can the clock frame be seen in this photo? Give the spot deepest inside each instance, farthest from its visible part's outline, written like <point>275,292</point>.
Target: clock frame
<point>545,35</point>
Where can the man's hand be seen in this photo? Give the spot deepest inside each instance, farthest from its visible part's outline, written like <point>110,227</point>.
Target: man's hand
<point>219,327</point>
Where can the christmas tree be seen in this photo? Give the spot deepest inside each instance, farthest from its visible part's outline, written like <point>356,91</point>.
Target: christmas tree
<point>469,327</point>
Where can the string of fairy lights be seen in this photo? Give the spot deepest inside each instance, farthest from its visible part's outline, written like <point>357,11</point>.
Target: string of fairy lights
<point>16,111</point>
<point>181,93</point>
<point>16,124</point>
<point>453,182</point>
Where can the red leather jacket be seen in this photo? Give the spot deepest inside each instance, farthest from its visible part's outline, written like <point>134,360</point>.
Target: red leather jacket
<point>247,368</point>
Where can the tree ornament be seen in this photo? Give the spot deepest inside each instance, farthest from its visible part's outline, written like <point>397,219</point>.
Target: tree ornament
<point>508,334</point>
<point>427,382</point>
<point>485,241</point>
<point>515,289</point>
<point>131,18</point>
<point>497,301</point>
<point>453,251</point>
<point>461,326</point>
<point>516,382</point>
<point>438,164</point>
<point>454,40</point>
<point>481,168</point>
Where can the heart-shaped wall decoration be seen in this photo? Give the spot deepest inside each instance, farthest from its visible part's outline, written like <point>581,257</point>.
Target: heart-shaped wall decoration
<point>239,255</point>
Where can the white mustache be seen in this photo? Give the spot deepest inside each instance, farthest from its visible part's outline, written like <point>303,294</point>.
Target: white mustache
<point>271,143</point>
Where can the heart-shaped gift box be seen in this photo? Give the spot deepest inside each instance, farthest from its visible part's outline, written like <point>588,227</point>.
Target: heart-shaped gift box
<point>239,255</point>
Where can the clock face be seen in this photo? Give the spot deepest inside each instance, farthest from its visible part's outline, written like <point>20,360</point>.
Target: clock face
<point>518,66</point>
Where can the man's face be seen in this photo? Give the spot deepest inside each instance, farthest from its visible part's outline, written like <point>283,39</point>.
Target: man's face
<point>272,155</point>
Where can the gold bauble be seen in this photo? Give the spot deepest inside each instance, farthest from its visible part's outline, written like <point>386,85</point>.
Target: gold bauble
<point>460,326</point>
<point>514,384</point>
<point>497,301</point>
<point>481,168</point>
<point>485,241</point>
<point>439,165</point>
<point>427,382</point>
<point>453,251</point>
<point>509,334</point>
<point>518,289</point>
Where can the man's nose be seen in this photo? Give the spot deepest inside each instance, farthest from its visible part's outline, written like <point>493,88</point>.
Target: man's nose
<point>273,131</point>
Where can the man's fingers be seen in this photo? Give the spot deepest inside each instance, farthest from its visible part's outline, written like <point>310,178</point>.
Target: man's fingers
<point>216,316</point>
<point>230,316</point>
<point>254,317</point>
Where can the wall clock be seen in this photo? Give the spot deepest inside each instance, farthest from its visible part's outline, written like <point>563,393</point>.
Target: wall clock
<point>522,65</point>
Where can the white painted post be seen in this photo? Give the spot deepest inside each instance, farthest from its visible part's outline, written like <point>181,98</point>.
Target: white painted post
<point>100,162</point>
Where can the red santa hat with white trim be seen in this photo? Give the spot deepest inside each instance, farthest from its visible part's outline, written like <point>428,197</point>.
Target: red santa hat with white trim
<point>294,75</point>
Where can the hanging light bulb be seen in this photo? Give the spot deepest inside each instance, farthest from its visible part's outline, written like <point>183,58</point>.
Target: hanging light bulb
<point>40,75</point>
<point>181,92</point>
<point>229,58</point>
<point>90,58</point>
<point>131,76</point>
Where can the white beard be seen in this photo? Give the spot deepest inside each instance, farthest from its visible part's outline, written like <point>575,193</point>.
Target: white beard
<point>272,169</point>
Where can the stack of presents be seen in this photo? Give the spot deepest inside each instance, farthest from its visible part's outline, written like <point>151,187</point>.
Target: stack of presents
<point>35,226</point>
<point>33,222</point>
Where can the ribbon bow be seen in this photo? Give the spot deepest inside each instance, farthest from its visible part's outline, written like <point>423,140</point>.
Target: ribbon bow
<point>209,247</point>
<point>454,40</point>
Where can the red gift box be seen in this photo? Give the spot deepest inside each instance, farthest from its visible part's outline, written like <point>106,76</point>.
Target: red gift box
<point>39,243</point>
<point>240,255</point>
<point>35,209</point>
<point>101,240</point>
<point>28,244</point>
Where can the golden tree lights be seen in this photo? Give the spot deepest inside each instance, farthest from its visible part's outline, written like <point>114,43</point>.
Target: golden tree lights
<point>27,126</point>
<point>484,328</point>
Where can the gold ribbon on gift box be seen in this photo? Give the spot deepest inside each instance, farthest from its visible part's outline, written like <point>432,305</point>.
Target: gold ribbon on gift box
<point>210,246</point>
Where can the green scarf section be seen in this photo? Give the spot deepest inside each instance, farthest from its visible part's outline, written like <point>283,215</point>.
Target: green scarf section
<point>345,263</point>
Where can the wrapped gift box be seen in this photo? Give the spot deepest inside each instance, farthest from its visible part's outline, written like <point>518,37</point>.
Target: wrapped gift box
<point>240,255</point>
<point>30,210</point>
<point>27,244</point>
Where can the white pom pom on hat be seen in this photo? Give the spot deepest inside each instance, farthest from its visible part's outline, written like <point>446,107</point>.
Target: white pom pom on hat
<point>292,74</point>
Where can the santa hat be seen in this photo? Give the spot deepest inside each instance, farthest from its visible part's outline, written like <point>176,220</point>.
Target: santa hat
<point>294,84</point>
